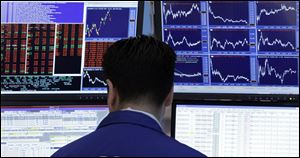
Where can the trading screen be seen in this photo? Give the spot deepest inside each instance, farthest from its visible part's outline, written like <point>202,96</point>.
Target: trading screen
<point>40,131</point>
<point>57,47</point>
<point>233,46</point>
<point>239,131</point>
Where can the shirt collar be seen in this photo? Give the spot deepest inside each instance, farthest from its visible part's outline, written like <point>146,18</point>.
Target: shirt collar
<point>145,113</point>
<point>130,117</point>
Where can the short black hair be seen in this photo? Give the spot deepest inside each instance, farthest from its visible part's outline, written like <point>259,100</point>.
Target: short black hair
<point>140,66</point>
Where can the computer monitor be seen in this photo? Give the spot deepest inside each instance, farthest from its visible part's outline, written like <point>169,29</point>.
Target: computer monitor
<point>56,47</point>
<point>232,47</point>
<point>39,131</point>
<point>238,130</point>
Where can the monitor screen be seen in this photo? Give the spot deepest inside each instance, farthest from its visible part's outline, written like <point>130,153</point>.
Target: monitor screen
<point>242,131</point>
<point>57,47</point>
<point>40,131</point>
<point>243,47</point>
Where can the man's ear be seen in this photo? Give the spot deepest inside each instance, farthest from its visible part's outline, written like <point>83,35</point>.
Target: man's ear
<point>169,99</point>
<point>112,96</point>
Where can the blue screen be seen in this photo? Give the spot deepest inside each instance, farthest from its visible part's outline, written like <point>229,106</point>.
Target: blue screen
<point>249,47</point>
<point>105,22</point>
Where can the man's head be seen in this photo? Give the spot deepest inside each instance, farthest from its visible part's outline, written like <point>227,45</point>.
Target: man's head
<point>139,70</point>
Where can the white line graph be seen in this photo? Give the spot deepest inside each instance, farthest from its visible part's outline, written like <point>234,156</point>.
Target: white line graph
<point>267,69</point>
<point>226,20</point>
<point>97,28</point>
<point>181,74</point>
<point>179,13</point>
<point>235,78</point>
<point>223,46</point>
<point>266,41</point>
<point>184,40</point>
<point>282,8</point>
<point>93,81</point>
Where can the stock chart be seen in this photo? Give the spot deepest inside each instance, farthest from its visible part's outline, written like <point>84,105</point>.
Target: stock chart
<point>183,39</point>
<point>189,70</point>
<point>278,70</point>
<point>268,13</point>
<point>229,40</point>
<point>105,22</point>
<point>176,12</point>
<point>93,79</point>
<point>224,69</point>
<point>233,46</point>
<point>276,40</point>
<point>226,13</point>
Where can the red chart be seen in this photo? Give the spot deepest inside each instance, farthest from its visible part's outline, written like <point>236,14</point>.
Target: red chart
<point>94,52</point>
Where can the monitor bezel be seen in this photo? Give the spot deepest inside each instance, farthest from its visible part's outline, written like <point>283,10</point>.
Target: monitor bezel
<point>217,96</point>
<point>77,96</point>
<point>53,102</point>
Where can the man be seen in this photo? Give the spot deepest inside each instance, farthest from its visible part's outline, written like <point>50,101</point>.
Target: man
<point>140,74</point>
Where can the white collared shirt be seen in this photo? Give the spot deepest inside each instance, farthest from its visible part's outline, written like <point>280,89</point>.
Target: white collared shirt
<point>145,113</point>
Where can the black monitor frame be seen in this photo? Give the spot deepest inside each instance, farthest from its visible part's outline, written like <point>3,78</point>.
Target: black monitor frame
<point>293,98</point>
<point>81,97</point>
<point>33,103</point>
<point>229,103</point>
<point>37,103</point>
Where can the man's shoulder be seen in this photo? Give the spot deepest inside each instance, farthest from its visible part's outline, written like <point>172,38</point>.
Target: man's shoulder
<point>97,144</point>
<point>76,147</point>
<point>179,149</point>
<point>127,138</point>
<point>158,146</point>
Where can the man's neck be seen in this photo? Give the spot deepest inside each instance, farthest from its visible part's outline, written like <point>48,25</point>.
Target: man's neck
<point>156,112</point>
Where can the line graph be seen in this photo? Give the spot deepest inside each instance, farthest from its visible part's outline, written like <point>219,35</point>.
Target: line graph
<point>276,40</point>
<point>104,22</point>
<point>183,39</point>
<point>178,13</point>
<point>230,69</point>
<point>188,69</point>
<point>229,40</point>
<point>251,45</point>
<point>228,13</point>
<point>278,71</point>
<point>276,13</point>
<point>93,79</point>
